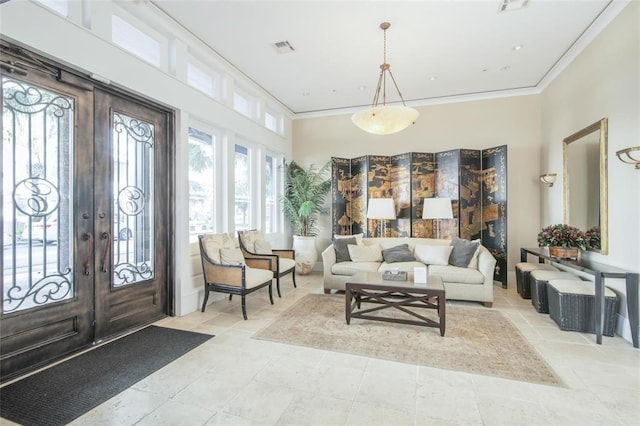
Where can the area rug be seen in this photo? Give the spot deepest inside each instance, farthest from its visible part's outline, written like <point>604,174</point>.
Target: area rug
<point>477,340</point>
<point>59,394</point>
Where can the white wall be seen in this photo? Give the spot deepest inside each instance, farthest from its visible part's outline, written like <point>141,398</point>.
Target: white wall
<point>603,81</point>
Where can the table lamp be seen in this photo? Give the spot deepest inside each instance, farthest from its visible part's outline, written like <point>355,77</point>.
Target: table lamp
<point>437,209</point>
<point>382,209</point>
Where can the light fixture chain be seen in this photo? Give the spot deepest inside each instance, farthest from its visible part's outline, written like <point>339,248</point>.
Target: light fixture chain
<point>384,50</point>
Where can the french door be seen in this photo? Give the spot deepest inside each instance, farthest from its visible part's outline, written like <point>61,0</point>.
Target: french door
<point>85,213</point>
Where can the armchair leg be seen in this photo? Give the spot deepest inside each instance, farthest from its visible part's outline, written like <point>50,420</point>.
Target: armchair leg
<point>293,276</point>
<point>244,307</point>
<point>230,296</point>
<point>206,297</point>
<point>270,294</point>
<point>278,285</point>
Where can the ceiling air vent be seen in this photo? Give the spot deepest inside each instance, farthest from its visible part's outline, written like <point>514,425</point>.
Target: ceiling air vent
<point>509,5</point>
<point>283,47</point>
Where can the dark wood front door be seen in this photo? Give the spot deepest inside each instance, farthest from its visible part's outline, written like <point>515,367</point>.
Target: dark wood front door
<point>85,178</point>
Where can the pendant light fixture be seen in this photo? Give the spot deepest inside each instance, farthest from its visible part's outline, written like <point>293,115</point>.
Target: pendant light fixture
<point>383,119</point>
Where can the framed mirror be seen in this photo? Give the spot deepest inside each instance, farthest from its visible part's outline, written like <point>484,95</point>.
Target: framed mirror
<point>585,182</point>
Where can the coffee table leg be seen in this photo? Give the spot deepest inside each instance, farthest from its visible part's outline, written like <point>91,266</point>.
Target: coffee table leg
<point>347,304</point>
<point>441,313</point>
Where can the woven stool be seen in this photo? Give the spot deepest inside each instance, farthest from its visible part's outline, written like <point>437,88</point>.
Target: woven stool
<point>571,304</point>
<point>523,269</point>
<point>538,283</point>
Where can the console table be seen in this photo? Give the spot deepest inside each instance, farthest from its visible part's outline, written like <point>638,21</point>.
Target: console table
<point>600,272</point>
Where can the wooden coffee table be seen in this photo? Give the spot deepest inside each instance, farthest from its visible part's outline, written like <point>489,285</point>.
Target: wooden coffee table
<point>370,287</point>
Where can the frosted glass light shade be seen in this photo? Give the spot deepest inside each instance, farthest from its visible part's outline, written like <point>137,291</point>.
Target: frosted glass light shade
<point>385,120</point>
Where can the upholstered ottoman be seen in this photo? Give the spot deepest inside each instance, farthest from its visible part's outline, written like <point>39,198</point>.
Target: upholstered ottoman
<point>571,304</point>
<point>538,283</point>
<point>523,269</point>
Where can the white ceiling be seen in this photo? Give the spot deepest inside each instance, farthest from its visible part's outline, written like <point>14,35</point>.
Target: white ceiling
<point>467,45</point>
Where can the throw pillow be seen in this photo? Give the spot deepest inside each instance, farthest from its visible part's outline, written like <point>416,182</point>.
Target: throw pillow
<point>263,247</point>
<point>214,242</point>
<point>400,253</point>
<point>340,246</point>
<point>433,254</point>
<point>370,253</point>
<point>473,263</point>
<point>232,256</point>
<point>462,252</point>
<point>358,237</point>
<point>250,237</point>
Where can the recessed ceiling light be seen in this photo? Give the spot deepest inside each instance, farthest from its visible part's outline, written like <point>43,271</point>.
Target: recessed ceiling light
<point>433,77</point>
<point>509,5</point>
<point>505,68</point>
<point>517,47</point>
<point>283,47</point>
<point>362,88</point>
<point>306,94</point>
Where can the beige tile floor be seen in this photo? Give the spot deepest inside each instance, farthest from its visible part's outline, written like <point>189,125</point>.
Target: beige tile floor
<point>236,380</point>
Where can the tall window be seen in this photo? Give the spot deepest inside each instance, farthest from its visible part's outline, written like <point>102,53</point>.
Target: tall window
<point>271,121</point>
<point>203,79</point>
<point>271,194</point>
<point>135,40</point>
<point>201,183</point>
<point>59,6</point>
<point>242,179</point>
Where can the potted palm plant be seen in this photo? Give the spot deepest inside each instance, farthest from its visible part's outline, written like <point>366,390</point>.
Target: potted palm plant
<point>305,191</point>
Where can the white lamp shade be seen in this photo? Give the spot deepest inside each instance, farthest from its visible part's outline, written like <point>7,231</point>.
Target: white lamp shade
<point>437,208</point>
<point>381,208</point>
<point>385,120</point>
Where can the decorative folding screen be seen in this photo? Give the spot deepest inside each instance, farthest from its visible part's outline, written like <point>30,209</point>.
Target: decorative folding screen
<point>474,180</point>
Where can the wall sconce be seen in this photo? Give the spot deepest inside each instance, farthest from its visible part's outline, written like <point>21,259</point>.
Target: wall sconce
<point>548,179</point>
<point>625,156</point>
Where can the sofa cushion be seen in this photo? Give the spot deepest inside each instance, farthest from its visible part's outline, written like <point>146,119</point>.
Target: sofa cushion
<point>400,266</point>
<point>462,252</point>
<point>432,254</point>
<point>455,274</point>
<point>363,253</point>
<point>255,276</point>
<point>399,253</point>
<point>350,268</point>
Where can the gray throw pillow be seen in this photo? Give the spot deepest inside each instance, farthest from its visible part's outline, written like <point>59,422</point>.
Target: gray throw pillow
<point>340,246</point>
<point>462,252</point>
<point>400,253</point>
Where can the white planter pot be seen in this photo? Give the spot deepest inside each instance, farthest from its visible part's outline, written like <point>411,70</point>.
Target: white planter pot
<point>306,254</point>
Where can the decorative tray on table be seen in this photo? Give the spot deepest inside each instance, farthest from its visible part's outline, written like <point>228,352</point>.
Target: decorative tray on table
<point>394,276</point>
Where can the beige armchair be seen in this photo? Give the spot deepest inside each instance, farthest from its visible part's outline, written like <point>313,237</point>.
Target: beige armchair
<point>255,247</point>
<point>225,272</point>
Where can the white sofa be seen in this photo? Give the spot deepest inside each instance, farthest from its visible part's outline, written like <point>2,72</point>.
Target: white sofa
<point>472,283</point>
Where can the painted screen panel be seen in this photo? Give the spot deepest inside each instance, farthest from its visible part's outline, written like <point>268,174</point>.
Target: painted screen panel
<point>340,196</point>
<point>494,213</point>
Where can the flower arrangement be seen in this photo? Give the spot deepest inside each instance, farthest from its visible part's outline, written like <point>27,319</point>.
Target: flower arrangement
<point>562,235</point>
<point>593,237</point>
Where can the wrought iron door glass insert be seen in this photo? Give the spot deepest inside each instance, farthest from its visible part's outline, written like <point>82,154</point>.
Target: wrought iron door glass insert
<point>133,166</point>
<point>37,131</point>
